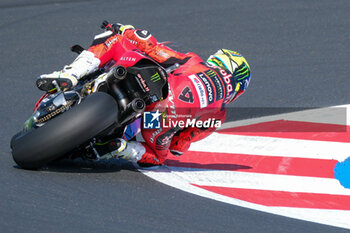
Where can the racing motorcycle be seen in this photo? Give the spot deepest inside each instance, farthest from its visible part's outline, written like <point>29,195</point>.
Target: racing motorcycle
<point>103,105</point>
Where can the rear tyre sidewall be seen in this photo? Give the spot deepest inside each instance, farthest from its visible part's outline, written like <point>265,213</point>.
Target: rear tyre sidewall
<point>33,149</point>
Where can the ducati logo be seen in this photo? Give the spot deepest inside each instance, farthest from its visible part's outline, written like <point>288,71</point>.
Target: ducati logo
<point>144,32</point>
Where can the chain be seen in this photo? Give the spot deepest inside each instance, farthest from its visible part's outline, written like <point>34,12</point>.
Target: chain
<point>54,113</point>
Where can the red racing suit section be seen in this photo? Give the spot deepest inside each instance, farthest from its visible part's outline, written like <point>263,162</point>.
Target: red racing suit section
<point>197,92</point>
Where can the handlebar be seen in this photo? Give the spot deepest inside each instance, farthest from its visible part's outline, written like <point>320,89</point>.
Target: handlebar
<point>110,27</point>
<point>172,68</point>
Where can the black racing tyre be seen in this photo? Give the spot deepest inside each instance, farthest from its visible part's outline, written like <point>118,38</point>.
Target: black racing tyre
<point>37,147</point>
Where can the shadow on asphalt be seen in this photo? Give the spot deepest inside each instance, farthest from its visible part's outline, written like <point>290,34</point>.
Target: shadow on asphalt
<point>84,166</point>
<point>199,166</point>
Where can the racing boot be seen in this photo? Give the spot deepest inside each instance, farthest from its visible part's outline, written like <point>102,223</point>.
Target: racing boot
<point>67,78</point>
<point>132,151</point>
<point>121,149</point>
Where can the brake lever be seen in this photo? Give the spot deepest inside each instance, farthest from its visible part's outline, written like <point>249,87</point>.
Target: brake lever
<point>110,27</point>
<point>106,25</point>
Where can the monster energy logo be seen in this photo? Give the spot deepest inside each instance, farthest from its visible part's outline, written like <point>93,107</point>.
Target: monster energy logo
<point>211,73</point>
<point>155,77</point>
<point>242,72</point>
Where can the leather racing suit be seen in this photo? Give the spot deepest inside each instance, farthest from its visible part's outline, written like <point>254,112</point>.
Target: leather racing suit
<point>198,91</point>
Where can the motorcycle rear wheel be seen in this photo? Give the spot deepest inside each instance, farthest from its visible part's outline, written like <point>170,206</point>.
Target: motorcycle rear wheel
<point>37,147</point>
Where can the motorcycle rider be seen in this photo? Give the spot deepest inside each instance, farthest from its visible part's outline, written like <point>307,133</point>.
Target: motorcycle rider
<point>199,90</point>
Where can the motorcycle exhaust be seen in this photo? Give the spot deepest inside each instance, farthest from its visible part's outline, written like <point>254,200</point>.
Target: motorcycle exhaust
<point>116,74</point>
<point>133,110</point>
<point>120,73</point>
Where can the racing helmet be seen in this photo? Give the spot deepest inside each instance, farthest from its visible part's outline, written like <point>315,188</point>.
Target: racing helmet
<point>237,65</point>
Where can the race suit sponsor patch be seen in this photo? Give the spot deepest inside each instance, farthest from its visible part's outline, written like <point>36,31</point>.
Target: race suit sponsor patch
<point>200,90</point>
<point>217,83</point>
<point>209,87</point>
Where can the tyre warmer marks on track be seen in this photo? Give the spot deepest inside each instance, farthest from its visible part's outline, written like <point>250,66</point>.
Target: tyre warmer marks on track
<point>280,165</point>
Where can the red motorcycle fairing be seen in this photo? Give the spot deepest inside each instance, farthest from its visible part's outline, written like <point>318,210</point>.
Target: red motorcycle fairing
<point>39,101</point>
<point>130,58</point>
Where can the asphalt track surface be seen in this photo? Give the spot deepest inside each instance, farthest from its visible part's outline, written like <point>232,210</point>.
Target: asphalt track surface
<point>299,55</point>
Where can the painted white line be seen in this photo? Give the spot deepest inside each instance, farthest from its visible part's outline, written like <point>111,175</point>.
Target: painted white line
<point>339,218</point>
<point>331,115</point>
<point>247,180</point>
<point>268,146</point>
